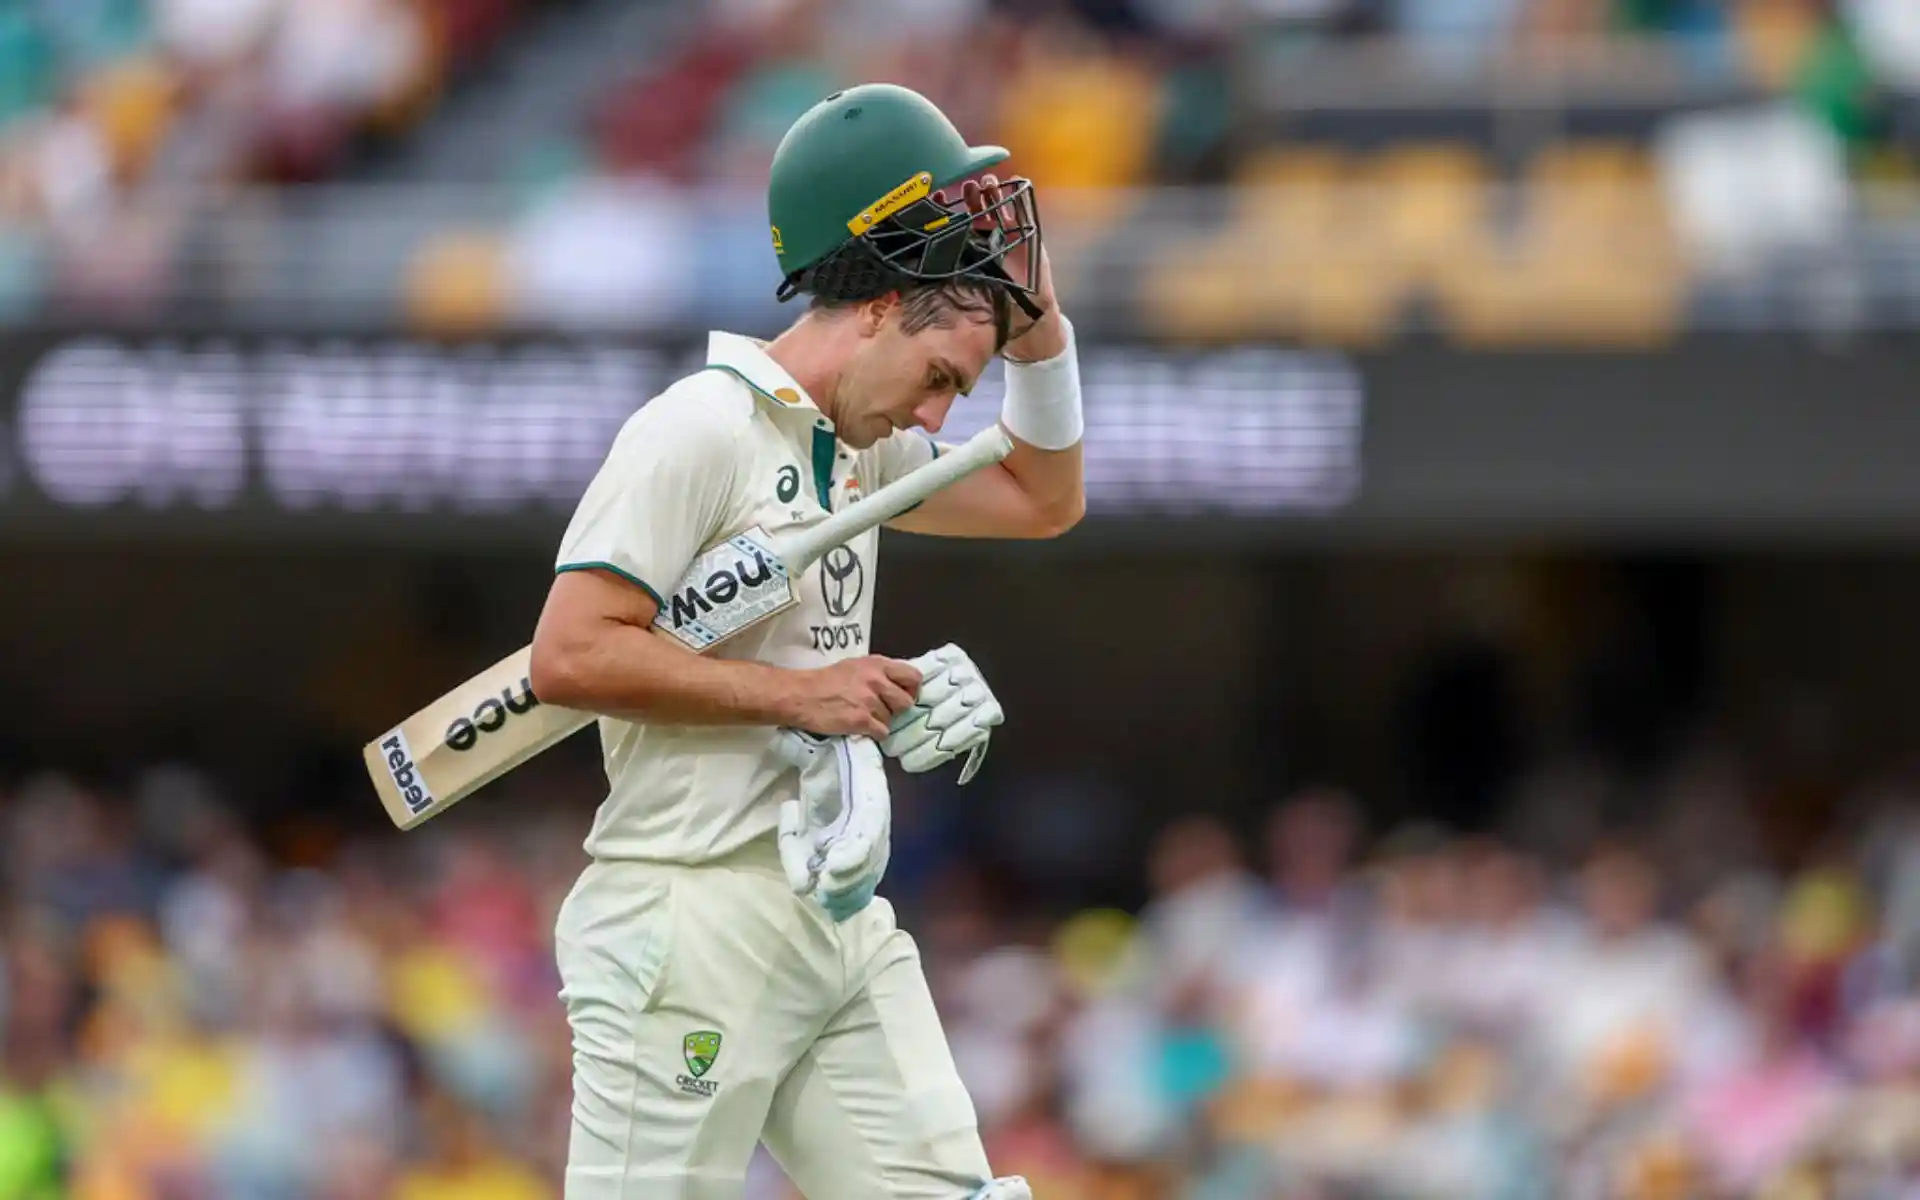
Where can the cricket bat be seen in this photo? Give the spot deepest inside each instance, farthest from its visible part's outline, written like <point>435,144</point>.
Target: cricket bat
<point>493,722</point>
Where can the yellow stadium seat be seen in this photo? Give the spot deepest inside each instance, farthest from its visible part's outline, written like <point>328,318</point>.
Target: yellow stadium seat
<point>1419,163</point>
<point>1297,189</point>
<point>1198,291</point>
<point>457,283</point>
<point>1285,165</point>
<point>1598,246</point>
<point>1428,205</point>
<point>1590,161</point>
<point>1348,300</point>
<point>1589,283</point>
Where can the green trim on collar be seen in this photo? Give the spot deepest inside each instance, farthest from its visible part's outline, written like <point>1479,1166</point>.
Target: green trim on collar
<point>823,447</point>
<point>737,373</point>
<point>824,443</point>
<point>747,358</point>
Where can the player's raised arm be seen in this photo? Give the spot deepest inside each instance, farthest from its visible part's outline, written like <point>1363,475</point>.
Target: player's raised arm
<point>1039,490</point>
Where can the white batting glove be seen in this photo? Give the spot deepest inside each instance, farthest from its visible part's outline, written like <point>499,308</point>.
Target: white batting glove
<point>954,714</point>
<point>836,839</point>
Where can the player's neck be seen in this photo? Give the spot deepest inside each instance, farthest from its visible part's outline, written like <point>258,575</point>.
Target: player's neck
<point>810,352</point>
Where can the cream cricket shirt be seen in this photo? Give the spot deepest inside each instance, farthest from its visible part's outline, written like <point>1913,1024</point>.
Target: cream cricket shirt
<point>735,445</point>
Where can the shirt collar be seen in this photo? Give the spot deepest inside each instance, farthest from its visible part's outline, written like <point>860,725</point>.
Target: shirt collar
<point>747,359</point>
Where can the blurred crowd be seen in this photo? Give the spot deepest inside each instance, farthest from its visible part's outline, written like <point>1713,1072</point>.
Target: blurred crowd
<point>1101,100</point>
<point>646,208</point>
<point>1306,1004</point>
<point>117,114</point>
<point>1094,94</point>
<point>103,97</point>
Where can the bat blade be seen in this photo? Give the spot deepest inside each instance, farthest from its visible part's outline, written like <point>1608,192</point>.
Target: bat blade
<point>465,740</point>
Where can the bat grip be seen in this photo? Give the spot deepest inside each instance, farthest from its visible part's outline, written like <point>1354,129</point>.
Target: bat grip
<point>983,449</point>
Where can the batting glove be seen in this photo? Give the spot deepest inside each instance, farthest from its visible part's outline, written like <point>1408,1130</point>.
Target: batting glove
<point>837,837</point>
<point>954,714</point>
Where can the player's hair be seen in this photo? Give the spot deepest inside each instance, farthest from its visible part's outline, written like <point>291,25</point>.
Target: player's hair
<point>941,304</point>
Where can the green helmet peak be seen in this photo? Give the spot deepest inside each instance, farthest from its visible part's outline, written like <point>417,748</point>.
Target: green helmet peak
<point>851,199</point>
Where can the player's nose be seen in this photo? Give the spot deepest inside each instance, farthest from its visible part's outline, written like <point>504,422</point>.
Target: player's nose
<point>932,414</point>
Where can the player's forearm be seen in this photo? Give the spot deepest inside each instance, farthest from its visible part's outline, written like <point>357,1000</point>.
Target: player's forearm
<point>621,670</point>
<point>1053,483</point>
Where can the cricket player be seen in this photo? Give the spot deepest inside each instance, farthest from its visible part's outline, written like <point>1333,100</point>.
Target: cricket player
<point>727,973</point>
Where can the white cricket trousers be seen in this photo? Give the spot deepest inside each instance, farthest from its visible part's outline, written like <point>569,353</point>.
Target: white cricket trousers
<point>712,1009</point>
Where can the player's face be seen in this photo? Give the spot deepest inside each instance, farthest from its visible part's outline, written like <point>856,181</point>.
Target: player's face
<point>907,381</point>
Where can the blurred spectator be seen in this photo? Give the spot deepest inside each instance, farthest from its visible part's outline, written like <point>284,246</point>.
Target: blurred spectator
<point>1312,841</point>
<point>1637,996</point>
<point>186,1011</point>
<point>1205,904</point>
<point>464,1163</point>
<point>1757,1115</point>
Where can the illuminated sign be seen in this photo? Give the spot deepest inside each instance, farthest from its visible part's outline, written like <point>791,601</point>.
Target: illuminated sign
<point>410,427</point>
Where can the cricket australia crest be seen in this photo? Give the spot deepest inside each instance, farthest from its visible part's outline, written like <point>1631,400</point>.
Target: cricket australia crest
<point>700,1048</point>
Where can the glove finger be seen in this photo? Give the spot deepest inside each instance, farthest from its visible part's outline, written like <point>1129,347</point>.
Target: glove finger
<point>844,902</point>
<point>949,712</point>
<point>925,757</point>
<point>910,738</point>
<point>941,657</point>
<point>909,725</point>
<point>935,688</point>
<point>854,850</point>
<point>974,758</point>
<point>928,664</point>
<point>796,848</point>
<point>846,857</point>
<point>900,721</point>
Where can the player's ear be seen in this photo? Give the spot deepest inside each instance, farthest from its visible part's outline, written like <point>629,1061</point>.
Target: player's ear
<point>873,314</point>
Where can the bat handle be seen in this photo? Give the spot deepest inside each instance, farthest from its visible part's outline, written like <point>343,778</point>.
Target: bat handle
<point>983,449</point>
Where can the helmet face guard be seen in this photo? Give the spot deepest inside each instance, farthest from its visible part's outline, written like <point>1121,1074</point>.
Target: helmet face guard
<point>911,236</point>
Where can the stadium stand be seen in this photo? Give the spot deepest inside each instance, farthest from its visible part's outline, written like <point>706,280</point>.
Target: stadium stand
<point>1598,157</point>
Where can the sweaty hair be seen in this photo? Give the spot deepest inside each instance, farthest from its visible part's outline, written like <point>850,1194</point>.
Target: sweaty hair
<point>943,304</point>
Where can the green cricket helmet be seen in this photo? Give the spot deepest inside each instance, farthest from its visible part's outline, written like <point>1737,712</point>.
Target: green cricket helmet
<point>851,197</point>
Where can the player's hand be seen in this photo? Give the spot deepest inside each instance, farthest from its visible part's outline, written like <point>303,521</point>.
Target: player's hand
<point>953,713</point>
<point>855,696</point>
<point>1031,341</point>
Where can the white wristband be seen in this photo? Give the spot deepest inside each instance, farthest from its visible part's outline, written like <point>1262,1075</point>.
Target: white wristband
<point>1042,405</point>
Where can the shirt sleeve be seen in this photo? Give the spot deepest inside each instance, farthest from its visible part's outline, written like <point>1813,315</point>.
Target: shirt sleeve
<point>660,496</point>
<point>902,453</point>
